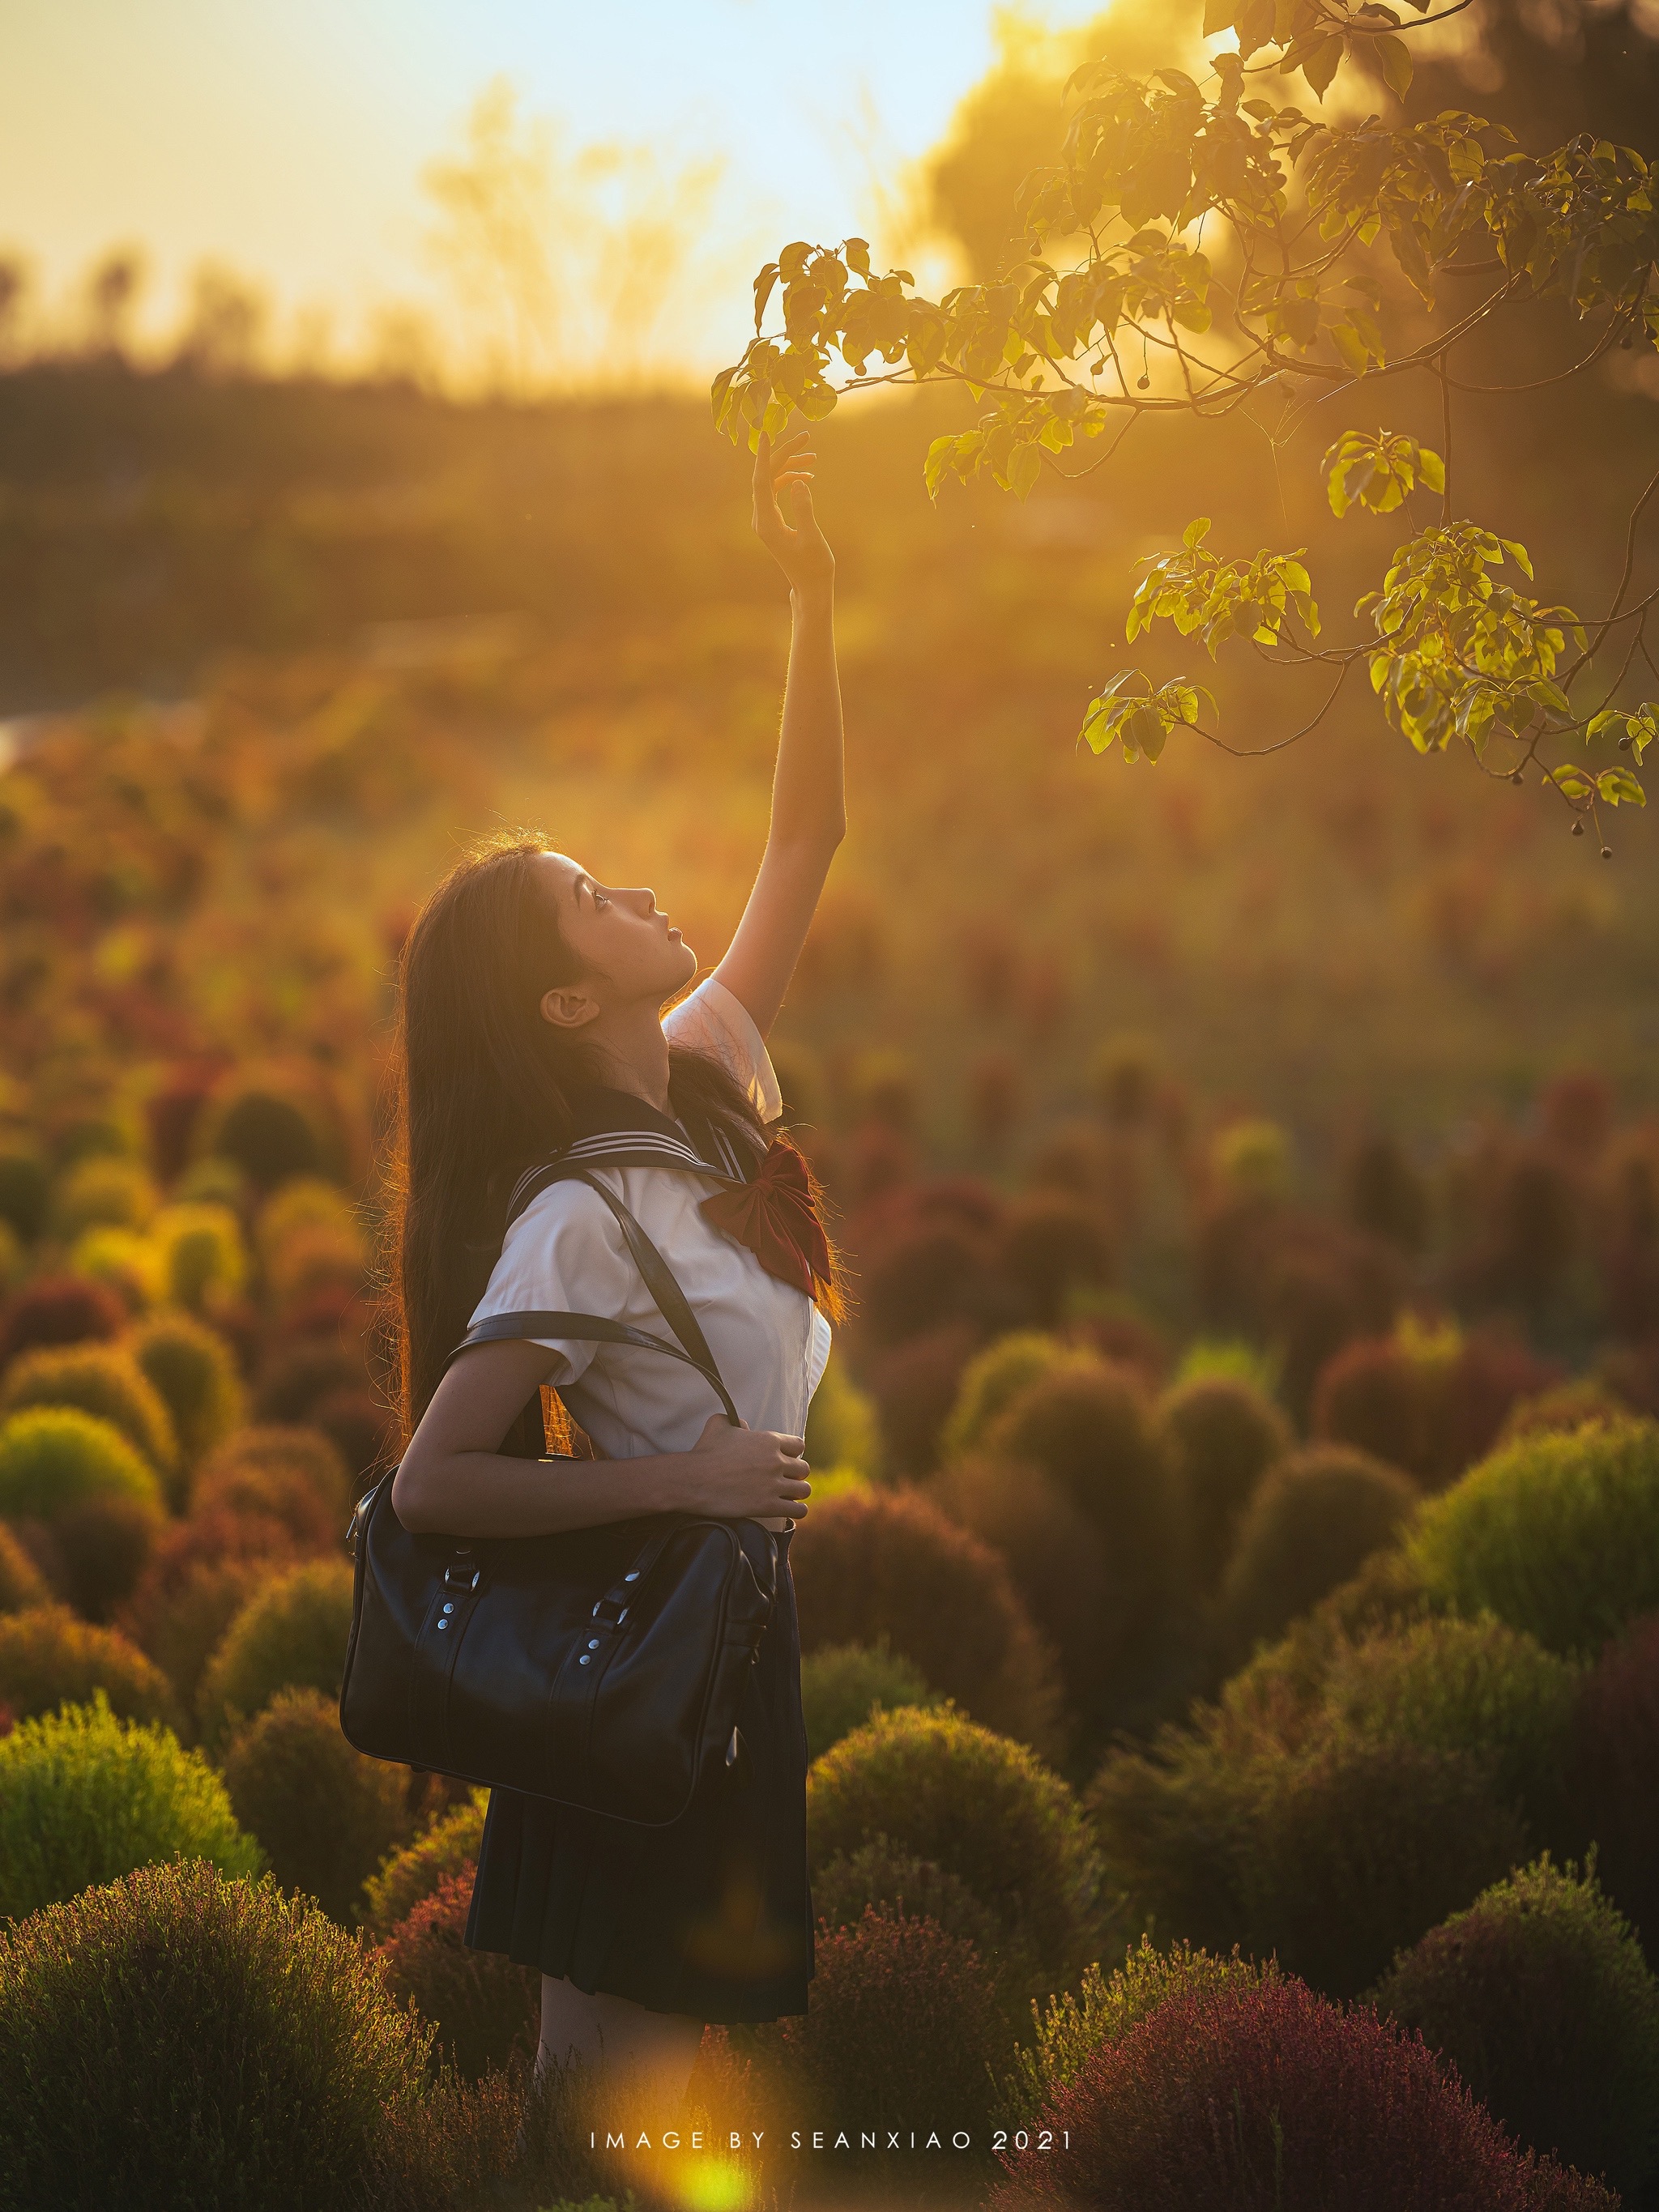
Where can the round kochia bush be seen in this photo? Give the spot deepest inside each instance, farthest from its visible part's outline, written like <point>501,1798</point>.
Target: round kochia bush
<point>59,1310</point>
<point>983,1808</point>
<point>325,1813</point>
<point>1312,1525</point>
<point>191,1367</point>
<point>1260,2096</point>
<point>450,1846</point>
<point>1557,1534</point>
<point>486,2008</point>
<point>1611,1777</point>
<point>55,1457</point>
<point>872,1563</point>
<point>841,1682</point>
<point>260,2061</point>
<point>1222,1436</point>
<point>1470,1686</point>
<point>290,1635</point>
<point>1355,1849</point>
<point>103,1379</point>
<point>85,1797</point>
<point>49,1658</point>
<point>874,2051</point>
<point>1539,1995</point>
<point>22,1583</point>
<point>993,1378</point>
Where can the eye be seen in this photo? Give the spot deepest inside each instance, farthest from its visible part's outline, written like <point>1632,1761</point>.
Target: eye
<point>600,898</point>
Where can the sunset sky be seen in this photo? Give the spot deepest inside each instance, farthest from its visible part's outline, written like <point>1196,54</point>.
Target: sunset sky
<point>288,141</point>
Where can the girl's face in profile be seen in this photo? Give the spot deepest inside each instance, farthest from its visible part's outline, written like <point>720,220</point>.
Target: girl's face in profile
<point>625,945</point>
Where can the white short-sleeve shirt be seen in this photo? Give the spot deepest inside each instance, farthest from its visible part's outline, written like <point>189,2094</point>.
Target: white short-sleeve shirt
<point>565,1252</point>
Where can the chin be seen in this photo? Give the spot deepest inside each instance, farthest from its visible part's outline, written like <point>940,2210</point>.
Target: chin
<point>687,965</point>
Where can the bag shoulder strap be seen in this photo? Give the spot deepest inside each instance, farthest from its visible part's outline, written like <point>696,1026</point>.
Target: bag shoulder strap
<point>593,1328</point>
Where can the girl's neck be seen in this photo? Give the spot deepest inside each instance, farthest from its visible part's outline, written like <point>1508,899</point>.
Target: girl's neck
<point>629,1053</point>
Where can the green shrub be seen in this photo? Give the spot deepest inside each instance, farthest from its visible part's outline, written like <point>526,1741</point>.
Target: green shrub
<point>25,1193</point>
<point>993,1378</point>
<point>258,2062</point>
<point>202,1252</point>
<point>983,1808</point>
<point>50,1658</point>
<point>291,1634</point>
<point>103,1192</point>
<point>841,1683</point>
<point>22,1583</point>
<point>451,1843</point>
<point>877,1562</point>
<point>1222,1435</point>
<point>325,1814</point>
<point>1072,2026</point>
<point>1539,1995</point>
<point>486,2008</point>
<point>1312,1524</point>
<point>1556,1535</point>
<point>102,1379</point>
<point>869,2054</point>
<point>841,1429</point>
<point>1090,1431</point>
<point>1354,1850</point>
<point>191,1367</point>
<point>122,1259</point>
<point>1465,1685</point>
<point>271,1136</point>
<point>86,1796</point>
<point>53,1457</point>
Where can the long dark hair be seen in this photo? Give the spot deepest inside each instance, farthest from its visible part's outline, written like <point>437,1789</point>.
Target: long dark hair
<point>484,1089</point>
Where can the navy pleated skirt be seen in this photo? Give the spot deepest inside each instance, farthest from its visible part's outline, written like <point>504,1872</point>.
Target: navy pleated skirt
<point>710,1917</point>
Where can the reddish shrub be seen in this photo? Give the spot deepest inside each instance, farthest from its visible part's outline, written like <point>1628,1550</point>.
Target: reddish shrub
<point>292,1383</point>
<point>1371,1395</point>
<point>1050,1247</point>
<point>868,2055</point>
<point>170,1112</point>
<point>59,1310</point>
<point>915,1387</point>
<point>200,1576</point>
<point>99,1549</point>
<point>487,2009</point>
<point>1313,1523</point>
<point>1265,2098</point>
<point>291,1475</point>
<point>869,1562</point>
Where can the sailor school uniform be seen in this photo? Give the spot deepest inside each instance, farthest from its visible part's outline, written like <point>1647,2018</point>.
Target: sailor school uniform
<point>710,1917</point>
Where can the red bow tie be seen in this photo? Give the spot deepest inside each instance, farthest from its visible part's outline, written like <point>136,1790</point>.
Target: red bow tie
<point>775,1216</point>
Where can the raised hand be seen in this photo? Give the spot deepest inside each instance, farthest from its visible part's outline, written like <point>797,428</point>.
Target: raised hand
<point>797,544</point>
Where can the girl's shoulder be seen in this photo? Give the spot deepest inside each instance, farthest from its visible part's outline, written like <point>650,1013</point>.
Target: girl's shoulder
<point>715,1021</point>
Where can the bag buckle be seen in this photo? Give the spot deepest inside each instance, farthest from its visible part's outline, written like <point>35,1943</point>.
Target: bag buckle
<point>459,1575</point>
<point>610,1620</point>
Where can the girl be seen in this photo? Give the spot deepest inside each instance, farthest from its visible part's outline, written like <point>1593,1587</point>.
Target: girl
<point>532,1024</point>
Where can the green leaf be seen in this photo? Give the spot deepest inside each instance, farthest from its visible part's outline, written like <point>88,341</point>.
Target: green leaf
<point>1024,470</point>
<point>1196,531</point>
<point>1620,788</point>
<point>1322,63</point>
<point>1431,469</point>
<point>1395,58</point>
<point>1518,554</point>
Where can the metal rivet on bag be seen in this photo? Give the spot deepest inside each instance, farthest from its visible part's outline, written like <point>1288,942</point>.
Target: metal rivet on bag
<point>450,1607</point>
<point>584,1660</point>
<point>442,1625</point>
<point>592,1643</point>
<point>632,1576</point>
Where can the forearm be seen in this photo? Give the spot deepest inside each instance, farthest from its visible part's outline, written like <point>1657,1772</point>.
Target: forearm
<point>809,806</point>
<point>478,1493</point>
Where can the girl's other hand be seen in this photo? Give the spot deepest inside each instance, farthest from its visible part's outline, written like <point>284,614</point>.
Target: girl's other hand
<point>798,545</point>
<point>747,1474</point>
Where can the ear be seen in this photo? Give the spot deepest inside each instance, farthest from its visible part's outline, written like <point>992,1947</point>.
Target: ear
<point>569,1006</point>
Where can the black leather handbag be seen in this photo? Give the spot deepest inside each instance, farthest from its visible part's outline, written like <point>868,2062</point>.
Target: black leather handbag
<point>603,1668</point>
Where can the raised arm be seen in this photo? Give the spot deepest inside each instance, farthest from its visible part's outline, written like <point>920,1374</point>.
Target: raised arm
<point>808,815</point>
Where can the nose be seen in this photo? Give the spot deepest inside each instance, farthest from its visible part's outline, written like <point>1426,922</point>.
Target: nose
<point>648,899</point>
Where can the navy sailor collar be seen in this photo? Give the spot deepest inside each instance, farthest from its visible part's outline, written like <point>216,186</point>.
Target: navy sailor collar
<point>616,1128</point>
